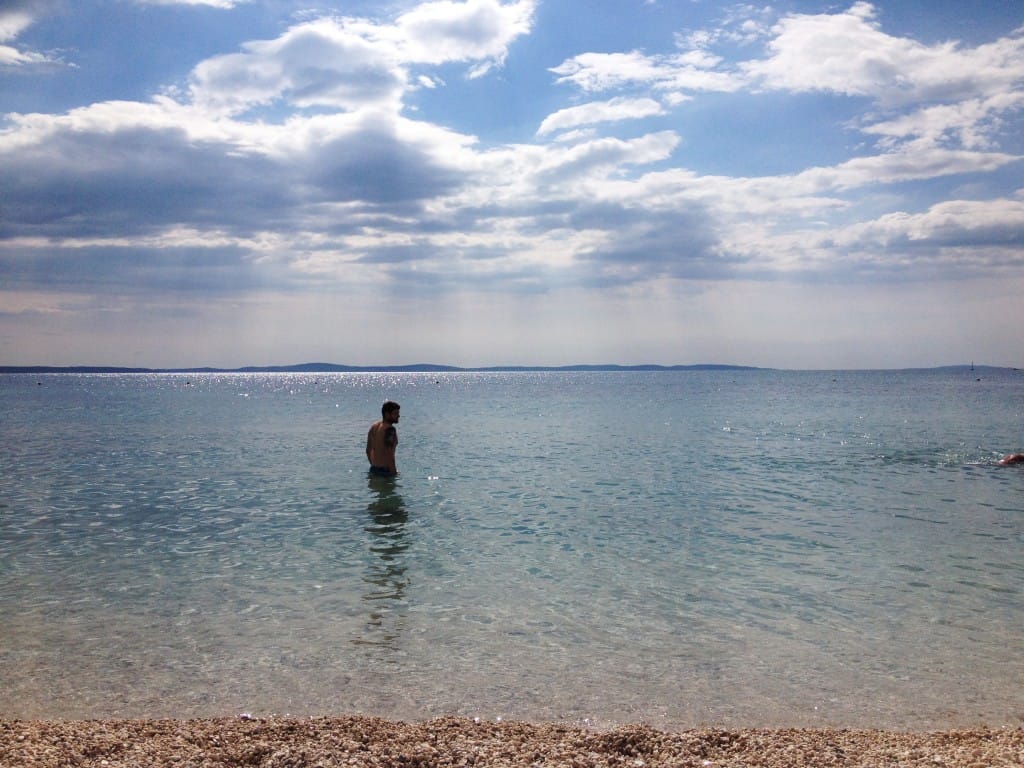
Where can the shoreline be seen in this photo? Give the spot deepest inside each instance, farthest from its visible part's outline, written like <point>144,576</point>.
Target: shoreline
<point>359,740</point>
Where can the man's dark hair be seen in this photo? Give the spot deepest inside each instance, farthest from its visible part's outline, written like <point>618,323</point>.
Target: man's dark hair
<point>388,407</point>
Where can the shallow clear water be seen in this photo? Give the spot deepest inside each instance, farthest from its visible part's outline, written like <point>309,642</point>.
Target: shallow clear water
<point>748,547</point>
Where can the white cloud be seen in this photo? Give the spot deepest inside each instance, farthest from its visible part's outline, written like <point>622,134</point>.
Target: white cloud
<point>13,22</point>
<point>979,224</point>
<point>845,53</point>
<point>943,95</point>
<point>443,31</point>
<point>355,64</point>
<point>568,164</point>
<point>848,53</point>
<point>12,57</point>
<point>688,71</point>
<point>973,123</point>
<point>606,71</point>
<point>599,112</point>
<point>674,77</point>
<point>317,63</point>
<point>15,18</point>
<point>906,165</point>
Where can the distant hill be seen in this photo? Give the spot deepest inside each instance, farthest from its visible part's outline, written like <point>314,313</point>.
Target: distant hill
<point>334,368</point>
<point>967,368</point>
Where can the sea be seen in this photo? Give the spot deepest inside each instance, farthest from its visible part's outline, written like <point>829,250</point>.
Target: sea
<point>680,548</point>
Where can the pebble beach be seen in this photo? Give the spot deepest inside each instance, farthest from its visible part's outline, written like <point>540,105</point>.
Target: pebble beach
<point>365,741</point>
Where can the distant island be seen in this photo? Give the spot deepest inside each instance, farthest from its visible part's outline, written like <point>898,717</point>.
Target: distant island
<point>333,368</point>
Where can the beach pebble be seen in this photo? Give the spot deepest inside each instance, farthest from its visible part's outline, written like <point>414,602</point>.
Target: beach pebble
<point>448,742</point>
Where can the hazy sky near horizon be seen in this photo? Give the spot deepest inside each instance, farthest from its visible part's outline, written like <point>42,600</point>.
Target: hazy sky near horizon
<point>236,182</point>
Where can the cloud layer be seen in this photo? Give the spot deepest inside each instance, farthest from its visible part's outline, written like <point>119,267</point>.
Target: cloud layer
<point>317,161</point>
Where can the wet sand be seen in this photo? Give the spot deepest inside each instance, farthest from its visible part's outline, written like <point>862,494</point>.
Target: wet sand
<point>364,741</point>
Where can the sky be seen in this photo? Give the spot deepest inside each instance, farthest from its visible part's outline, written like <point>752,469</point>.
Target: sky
<point>803,185</point>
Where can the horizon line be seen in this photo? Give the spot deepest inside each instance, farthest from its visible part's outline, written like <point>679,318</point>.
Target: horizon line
<point>445,368</point>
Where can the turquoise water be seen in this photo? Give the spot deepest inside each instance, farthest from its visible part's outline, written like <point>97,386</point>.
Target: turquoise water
<point>733,548</point>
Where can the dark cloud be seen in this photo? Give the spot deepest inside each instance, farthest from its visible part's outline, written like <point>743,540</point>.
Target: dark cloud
<point>120,270</point>
<point>376,168</point>
<point>141,185</point>
<point>997,234</point>
<point>139,181</point>
<point>399,254</point>
<point>644,244</point>
<point>133,182</point>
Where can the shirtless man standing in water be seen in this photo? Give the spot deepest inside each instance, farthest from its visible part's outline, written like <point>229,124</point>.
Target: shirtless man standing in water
<point>382,440</point>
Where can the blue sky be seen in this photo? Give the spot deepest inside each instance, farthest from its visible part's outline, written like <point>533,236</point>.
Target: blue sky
<point>236,182</point>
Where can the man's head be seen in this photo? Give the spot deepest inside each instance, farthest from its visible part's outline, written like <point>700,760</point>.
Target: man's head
<point>389,411</point>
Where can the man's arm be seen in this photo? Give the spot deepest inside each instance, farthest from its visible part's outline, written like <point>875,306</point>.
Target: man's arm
<point>390,444</point>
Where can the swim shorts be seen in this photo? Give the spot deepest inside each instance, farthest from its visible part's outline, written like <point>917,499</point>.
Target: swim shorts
<point>381,471</point>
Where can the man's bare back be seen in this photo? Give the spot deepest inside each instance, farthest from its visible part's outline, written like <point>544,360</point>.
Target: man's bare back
<point>382,441</point>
